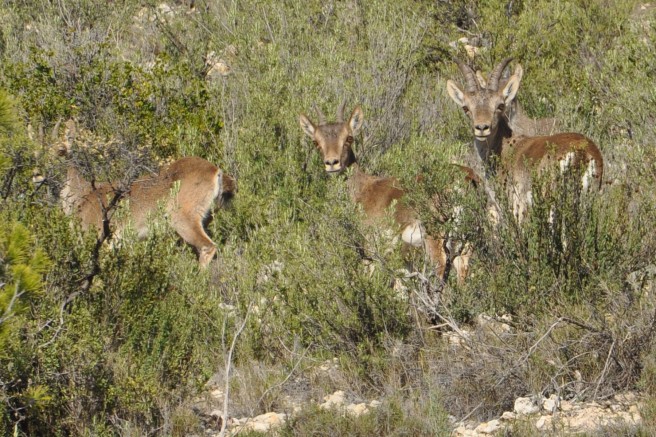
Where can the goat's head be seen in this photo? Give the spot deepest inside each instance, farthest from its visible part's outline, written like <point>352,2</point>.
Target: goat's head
<point>484,102</point>
<point>334,140</point>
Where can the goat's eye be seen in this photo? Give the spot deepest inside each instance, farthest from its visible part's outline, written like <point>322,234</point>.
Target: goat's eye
<point>466,109</point>
<point>501,107</point>
<point>349,141</point>
<point>316,143</point>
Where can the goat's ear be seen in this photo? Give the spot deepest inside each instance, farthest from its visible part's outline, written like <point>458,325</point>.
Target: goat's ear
<point>307,126</point>
<point>356,120</point>
<point>519,71</point>
<point>456,93</point>
<point>510,90</point>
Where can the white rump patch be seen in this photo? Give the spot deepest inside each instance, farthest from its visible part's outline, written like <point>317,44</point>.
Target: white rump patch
<point>413,234</point>
<point>589,175</point>
<point>567,161</point>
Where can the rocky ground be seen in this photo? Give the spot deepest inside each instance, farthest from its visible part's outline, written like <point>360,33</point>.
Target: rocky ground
<point>547,415</point>
<point>561,417</point>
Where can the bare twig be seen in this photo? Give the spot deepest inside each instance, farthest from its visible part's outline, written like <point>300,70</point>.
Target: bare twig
<point>603,373</point>
<point>228,366</point>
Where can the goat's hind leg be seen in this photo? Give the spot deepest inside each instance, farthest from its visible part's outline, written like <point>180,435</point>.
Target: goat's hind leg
<point>190,228</point>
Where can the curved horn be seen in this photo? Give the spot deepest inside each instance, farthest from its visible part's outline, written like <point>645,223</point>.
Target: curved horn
<point>55,131</point>
<point>322,118</point>
<point>495,75</point>
<point>470,76</point>
<point>340,111</point>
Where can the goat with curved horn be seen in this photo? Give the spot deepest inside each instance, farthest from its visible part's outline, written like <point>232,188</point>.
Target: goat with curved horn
<point>376,194</point>
<point>516,156</point>
<point>519,122</point>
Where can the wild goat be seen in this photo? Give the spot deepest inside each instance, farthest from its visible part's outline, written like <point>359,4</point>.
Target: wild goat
<point>514,156</point>
<point>186,188</point>
<point>375,194</point>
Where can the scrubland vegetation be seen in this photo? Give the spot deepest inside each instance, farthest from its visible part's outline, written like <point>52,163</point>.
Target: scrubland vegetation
<point>106,339</point>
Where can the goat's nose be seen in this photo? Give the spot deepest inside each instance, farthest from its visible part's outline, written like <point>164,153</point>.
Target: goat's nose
<point>331,162</point>
<point>482,127</point>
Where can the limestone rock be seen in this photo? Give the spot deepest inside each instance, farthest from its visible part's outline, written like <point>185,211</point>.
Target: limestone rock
<point>550,404</point>
<point>544,423</point>
<point>374,404</point>
<point>525,406</point>
<point>357,409</point>
<point>508,416</point>
<point>488,427</point>
<point>334,400</point>
<point>264,422</point>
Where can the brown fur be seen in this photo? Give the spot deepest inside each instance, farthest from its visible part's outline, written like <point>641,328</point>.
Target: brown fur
<point>500,148</point>
<point>376,194</point>
<point>200,183</point>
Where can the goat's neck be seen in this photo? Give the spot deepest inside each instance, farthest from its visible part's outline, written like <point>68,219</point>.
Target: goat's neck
<point>355,179</point>
<point>518,121</point>
<point>75,187</point>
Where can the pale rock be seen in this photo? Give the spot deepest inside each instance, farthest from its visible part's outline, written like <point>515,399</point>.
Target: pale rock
<point>273,419</point>
<point>458,339</point>
<point>217,394</point>
<point>334,400</point>
<point>357,409</point>
<point>257,427</point>
<point>219,68</point>
<point>550,404</point>
<point>525,406</point>
<point>471,51</point>
<point>329,364</point>
<point>486,322</point>
<point>264,422</point>
<point>566,406</point>
<point>217,413</point>
<point>508,415</point>
<point>586,419</point>
<point>626,417</point>
<point>462,431</point>
<point>488,427</point>
<point>543,422</point>
<point>374,404</point>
